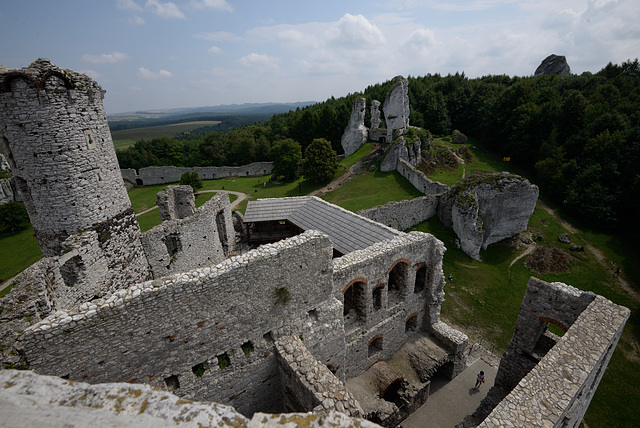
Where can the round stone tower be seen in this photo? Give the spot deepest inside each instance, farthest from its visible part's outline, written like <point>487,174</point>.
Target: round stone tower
<point>54,133</point>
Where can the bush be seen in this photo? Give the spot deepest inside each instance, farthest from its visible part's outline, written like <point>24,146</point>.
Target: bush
<point>13,217</point>
<point>192,179</point>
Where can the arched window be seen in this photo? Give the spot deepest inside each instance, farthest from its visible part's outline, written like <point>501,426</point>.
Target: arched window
<point>375,346</point>
<point>411,324</point>
<point>398,276</point>
<point>355,302</point>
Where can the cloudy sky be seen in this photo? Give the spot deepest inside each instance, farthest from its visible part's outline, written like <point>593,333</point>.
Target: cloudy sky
<point>154,54</point>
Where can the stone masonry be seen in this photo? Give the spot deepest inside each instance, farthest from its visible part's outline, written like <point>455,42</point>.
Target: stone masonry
<point>176,202</point>
<point>171,174</point>
<point>549,381</point>
<point>204,238</point>
<point>355,134</point>
<point>54,133</point>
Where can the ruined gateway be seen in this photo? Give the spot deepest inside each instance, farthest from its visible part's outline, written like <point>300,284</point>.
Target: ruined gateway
<point>276,329</point>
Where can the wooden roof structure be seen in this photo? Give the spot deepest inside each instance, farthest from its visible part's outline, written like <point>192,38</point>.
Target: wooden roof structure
<point>348,231</point>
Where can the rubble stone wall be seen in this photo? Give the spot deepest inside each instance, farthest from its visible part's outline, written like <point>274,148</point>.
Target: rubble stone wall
<point>171,174</point>
<point>55,135</point>
<point>308,385</point>
<point>558,390</point>
<point>207,334</point>
<point>390,283</point>
<point>419,180</point>
<point>205,238</point>
<point>402,215</point>
<point>176,202</point>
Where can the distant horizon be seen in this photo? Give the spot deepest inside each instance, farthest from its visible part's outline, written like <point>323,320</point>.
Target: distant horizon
<point>161,54</point>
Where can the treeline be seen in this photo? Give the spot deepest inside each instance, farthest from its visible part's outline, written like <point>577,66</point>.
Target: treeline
<point>579,135</point>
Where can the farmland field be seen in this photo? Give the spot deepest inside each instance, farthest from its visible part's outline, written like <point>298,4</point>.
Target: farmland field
<point>127,137</point>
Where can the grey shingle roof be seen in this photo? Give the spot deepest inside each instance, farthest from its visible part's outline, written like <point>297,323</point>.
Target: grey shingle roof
<point>347,231</point>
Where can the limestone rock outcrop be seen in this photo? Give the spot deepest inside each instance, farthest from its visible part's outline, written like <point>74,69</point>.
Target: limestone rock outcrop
<point>375,114</point>
<point>355,134</point>
<point>6,191</point>
<point>458,137</point>
<point>553,64</point>
<point>29,399</point>
<point>400,150</point>
<point>396,108</point>
<point>488,208</point>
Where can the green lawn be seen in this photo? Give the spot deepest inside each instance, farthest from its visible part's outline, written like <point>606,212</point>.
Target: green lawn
<point>18,251</point>
<point>371,189</point>
<point>484,298</point>
<point>123,143</point>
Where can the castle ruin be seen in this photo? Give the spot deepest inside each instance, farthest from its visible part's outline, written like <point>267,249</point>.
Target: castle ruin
<point>280,328</point>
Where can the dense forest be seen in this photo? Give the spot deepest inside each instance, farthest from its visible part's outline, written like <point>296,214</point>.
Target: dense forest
<point>578,136</point>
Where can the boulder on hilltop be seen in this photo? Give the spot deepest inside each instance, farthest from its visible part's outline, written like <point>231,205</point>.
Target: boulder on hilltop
<point>553,64</point>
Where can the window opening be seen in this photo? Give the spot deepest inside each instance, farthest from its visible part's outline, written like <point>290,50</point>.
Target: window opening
<point>421,279</point>
<point>375,346</point>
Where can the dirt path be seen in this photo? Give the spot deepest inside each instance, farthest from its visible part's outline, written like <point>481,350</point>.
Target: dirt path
<point>461,160</point>
<point>346,176</point>
<point>596,252</point>
<point>528,250</point>
<point>241,197</point>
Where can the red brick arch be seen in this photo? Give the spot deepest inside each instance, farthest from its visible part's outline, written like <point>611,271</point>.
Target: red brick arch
<point>363,280</point>
<point>399,261</point>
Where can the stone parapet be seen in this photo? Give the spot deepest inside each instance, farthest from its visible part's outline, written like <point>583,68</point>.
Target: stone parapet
<point>308,383</point>
<point>558,390</point>
<point>420,181</point>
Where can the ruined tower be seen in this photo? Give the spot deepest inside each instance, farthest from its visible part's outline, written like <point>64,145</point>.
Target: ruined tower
<point>54,133</point>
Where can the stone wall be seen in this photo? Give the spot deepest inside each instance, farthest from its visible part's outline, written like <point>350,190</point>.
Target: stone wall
<point>402,215</point>
<point>205,238</point>
<point>176,202</point>
<point>171,174</point>
<point>558,390</point>
<point>28,399</point>
<point>419,180</point>
<point>388,287</point>
<point>55,135</point>
<point>309,385</point>
<point>206,334</point>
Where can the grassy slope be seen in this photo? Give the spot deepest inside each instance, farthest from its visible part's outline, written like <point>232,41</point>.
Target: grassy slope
<point>18,251</point>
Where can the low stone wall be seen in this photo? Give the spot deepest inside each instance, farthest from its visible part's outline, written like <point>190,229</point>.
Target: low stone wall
<point>196,333</point>
<point>558,390</point>
<point>202,239</point>
<point>402,215</point>
<point>28,399</point>
<point>308,384</point>
<point>419,180</point>
<point>171,174</point>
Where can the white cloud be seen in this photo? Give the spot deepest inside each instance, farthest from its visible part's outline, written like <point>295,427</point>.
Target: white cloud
<point>127,5</point>
<point>147,74</point>
<point>259,60</point>
<point>217,36</point>
<point>214,50</point>
<point>136,20</point>
<point>212,4</point>
<point>91,73</point>
<point>354,31</point>
<point>167,10</point>
<point>421,41</point>
<point>111,58</point>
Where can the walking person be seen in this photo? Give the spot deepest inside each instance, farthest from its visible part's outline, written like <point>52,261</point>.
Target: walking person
<point>479,380</point>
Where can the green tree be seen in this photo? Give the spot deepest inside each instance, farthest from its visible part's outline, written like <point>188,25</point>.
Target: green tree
<point>286,156</point>
<point>192,179</point>
<point>320,161</point>
<point>13,217</point>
